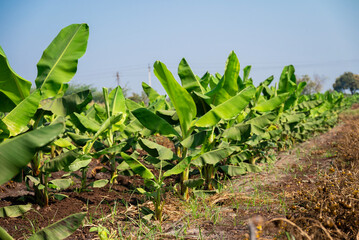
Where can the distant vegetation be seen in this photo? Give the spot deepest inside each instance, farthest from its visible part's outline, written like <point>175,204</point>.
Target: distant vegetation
<point>349,81</point>
<point>97,95</point>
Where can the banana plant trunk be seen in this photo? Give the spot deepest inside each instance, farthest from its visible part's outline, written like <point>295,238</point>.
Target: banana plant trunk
<point>182,153</point>
<point>209,175</point>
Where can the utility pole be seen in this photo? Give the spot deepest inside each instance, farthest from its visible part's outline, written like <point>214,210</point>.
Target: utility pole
<point>149,75</point>
<point>118,78</point>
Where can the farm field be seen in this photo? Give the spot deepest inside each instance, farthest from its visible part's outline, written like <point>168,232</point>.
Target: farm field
<point>215,158</point>
<point>279,192</point>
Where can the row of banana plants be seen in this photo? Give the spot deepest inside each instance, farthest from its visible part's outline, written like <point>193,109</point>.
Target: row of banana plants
<point>220,125</point>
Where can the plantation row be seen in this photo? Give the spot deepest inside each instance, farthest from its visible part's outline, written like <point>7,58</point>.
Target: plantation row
<point>217,123</point>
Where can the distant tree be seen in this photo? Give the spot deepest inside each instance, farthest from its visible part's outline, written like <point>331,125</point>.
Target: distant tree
<point>313,86</point>
<point>139,98</point>
<point>348,80</point>
<point>97,94</point>
<point>75,87</point>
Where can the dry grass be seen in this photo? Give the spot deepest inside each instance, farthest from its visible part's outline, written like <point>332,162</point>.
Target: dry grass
<point>330,210</point>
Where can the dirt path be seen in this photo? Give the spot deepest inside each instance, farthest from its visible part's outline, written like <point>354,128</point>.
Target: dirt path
<point>268,194</point>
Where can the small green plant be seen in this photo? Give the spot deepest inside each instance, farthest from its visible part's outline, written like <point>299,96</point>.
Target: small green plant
<point>153,182</point>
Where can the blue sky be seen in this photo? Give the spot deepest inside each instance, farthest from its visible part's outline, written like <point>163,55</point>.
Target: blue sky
<point>317,37</point>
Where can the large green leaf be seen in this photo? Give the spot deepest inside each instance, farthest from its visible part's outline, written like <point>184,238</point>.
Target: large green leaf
<point>180,98</point>
<point>13,88</point>
<point>99,183</point>
<point>240,132</point>
<point>150,92</point>
<point>137,167</point>
<point>4,235</point>
<point>267,81</point>
<point>17,152</point>
<point>241,169</point>
<point>188,79</point>
<point>82,162</point>
<point>60,162</point>
<point>263,120</point>
<point>117,101</point>
<point>78,139</point>
<point>154,122</point>
<point>156,150</point>
<point>61,184</point>
<point>18,119</point>
<point>218,94</point>
<point>132,105</point>
<point>271,104</point>
<point>308,105</point>
<point>194,140</point>
<point>213,157</point>
<point>14,211</point>
<point>287,80</point>
<point>68,104</point>
<point>88,123</point>
<point>231,74</point>
<point>58,63</point>
<point>104,127</point>
<point>61,229</point>
<point>178,168</point>
<point>115,149</point>
<point>227,110</point>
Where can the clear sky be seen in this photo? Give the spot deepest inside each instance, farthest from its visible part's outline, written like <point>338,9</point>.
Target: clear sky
<point>317,37</point>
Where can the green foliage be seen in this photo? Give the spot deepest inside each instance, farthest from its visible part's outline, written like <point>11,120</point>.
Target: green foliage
<point>14,210</point>
<point>12,160</point>
<point>58,63</point>
<point>348,80</point>
<point>13,88</point>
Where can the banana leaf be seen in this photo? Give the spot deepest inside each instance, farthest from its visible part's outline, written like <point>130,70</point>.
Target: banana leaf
<point>88,123</point>
<point>241,169</point>
<point>188,79</point>
<point>14,211</point>
<point>150,92</point>
<point>231,73</point>
<point>156,150</point>
<point>271,104</point>
<point>58,63</point>
<point>137,167</point>
<point>12,160</point>
<point>68,104</point>
<point>19,117</point>
<point>117,101</point>
<point>213,157</point>
<point>60,162</point>
<point>179,168</point>
<point>180,98</point>
<point>228,109</point>
<point>239,132</point>
<point>154,122</point>
<point>61,229</point>
<point>4,235</point>
<point>13,88</point>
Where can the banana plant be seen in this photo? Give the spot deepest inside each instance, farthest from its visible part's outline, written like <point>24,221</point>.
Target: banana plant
<point>154,183</point>
<point>226,101</point>
<point>56,67</point>
<point>106,121</point>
